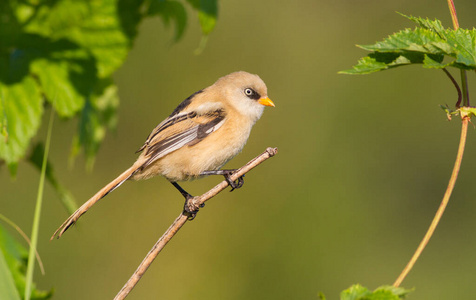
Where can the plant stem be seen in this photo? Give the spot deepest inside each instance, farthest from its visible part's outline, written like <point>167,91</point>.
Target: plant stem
<point>444,203</point>
<point>464,85</point>
<point>454,17</point>
<point>457,165</point>
<point>36,218</point>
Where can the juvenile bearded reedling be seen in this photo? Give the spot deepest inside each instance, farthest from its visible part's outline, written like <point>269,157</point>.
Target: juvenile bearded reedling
<point>203,133</point>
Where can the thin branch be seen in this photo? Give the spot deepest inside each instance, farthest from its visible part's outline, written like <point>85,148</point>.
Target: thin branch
<point>182,219</point>
<point>444,203</point>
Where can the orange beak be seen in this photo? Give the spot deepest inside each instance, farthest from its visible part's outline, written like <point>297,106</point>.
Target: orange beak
<point>266,102</point>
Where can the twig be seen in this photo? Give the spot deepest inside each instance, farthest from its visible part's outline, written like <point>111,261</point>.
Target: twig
<point>441,209</point>
<point>182,219</point>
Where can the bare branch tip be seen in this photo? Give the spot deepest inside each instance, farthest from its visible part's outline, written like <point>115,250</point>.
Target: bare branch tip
<point>272,151</point>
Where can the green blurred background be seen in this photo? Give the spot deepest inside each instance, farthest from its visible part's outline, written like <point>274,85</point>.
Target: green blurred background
<point>363,163</point>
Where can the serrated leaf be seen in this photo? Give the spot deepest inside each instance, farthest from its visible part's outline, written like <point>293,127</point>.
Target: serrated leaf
<point>102,34</point>
<point>400,292</point>
<point>56,83</point>
<point>418,40</point>
<point>21,108</point>
<point>366,65</point>
<point>428,45</point>
<point>463,41</point>
<point>66,72</point>
<point>358,292</point>
<point>15,256</point>
<point>355,292</point>
<point>91,24</point>
<point>433,25</point>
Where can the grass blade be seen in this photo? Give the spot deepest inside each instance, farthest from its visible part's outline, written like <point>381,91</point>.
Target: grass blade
<point>36,218</point>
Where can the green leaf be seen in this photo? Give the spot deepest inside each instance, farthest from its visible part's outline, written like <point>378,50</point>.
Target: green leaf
<point>130,15</point>
<point>366,65</point>
<point>7,284</point>
<point>58,87</point>
<point>15,257</point>
<point>390,293</point>
<point>355,292</point>
<point>418,40</point>
<point>170,11</point>
<point>63,51</point>
<point>436,26</point>
<point>67,199</point>
<point>429,45</point>
<point>207,13</point>
<point>435,62</point>
<point>20,115</point>
<point>463,42</point>
<point>93,25</point>
<point>98,114</point>
<point>358,292</point>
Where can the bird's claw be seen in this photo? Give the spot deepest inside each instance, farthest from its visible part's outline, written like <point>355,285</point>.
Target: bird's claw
<point>191,209</point>
<point>234,184</point>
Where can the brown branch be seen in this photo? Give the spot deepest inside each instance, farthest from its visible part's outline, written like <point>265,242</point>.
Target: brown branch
<point>182,219</point>
<point>441,209</point>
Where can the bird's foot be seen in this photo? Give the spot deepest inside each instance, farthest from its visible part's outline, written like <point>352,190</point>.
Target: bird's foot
<point>190,208</point>
<point>227,173</point>
<point>234,184</point>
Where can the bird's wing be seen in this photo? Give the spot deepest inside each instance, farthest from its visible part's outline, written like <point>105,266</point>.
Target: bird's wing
<point>178,131</point>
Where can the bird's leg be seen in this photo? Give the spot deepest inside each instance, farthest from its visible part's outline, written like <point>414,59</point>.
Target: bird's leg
<point>190,210</point>
<point>227,173</point>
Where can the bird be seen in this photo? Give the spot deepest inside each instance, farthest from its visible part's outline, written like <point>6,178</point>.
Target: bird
<point>202,134</point>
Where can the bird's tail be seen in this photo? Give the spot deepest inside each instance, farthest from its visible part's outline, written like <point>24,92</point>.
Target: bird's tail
<point>98,196</point>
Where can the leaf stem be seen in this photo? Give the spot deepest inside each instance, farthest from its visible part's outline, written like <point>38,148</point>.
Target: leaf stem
<point>36,218</point>
<point>455,83</point>
<point>444,203</point>
<point>25,237</point>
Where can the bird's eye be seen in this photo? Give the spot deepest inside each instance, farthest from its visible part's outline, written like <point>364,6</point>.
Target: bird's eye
<point>249,92</point>
<point>252,94</point>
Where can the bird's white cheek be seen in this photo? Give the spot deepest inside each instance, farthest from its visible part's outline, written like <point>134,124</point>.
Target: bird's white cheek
<point>250,109</point>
